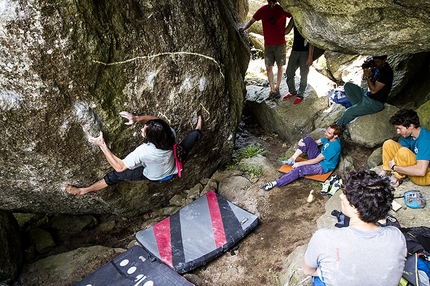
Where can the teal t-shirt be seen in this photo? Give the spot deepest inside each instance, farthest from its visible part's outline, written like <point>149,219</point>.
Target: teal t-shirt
<point>420,146</point>
<point>331,152</point>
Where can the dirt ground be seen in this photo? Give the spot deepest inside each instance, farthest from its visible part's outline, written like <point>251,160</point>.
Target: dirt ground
<point>286,222</point>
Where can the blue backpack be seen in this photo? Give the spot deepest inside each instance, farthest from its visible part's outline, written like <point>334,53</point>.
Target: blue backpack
<point>339,96</point>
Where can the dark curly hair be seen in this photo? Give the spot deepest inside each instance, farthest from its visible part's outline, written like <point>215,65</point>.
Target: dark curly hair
<point>383,57</point>
<point>369,193</point>
<point>160,134</point>
<point>405,117</point>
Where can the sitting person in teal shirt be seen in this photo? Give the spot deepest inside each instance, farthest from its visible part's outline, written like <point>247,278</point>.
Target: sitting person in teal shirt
<point>411,156</point>
<point>319,162</point>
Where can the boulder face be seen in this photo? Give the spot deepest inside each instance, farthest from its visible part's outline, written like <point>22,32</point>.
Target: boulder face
<point>409,71</point>
<point>373,129</point>
<point>11,254</point>
<point>364,27</point>
<point>69,68</point>
<point>290,122</point>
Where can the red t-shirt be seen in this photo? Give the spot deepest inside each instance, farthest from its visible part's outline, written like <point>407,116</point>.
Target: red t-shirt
<point>274,22</point>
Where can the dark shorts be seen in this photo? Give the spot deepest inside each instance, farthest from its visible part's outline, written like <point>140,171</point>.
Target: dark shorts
<point>115,177</point>
<point>136,174</point>
<point>274,54</point>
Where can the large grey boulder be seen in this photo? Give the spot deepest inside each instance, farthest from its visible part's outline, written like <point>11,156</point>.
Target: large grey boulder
<point>344,67</point>
<point>42,240</point>
<point>373,129</point>
<point>67,268</point>
<point>347,68</point>
<point>10,247</point>
<point>72,223</point>
<point>292,274</point>
<point>375,159</point>
<point>69,68</point>
<point>424,114</point>
<point>329,115</point>
<point>290,122</point>
<point>366,27</point>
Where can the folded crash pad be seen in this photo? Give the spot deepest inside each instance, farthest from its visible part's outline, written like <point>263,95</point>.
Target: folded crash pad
<point>135,268</point>
<point>320,178</point>
<point>197,233</point>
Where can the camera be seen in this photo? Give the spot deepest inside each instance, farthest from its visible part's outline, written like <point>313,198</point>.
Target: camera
<point>368,63</point>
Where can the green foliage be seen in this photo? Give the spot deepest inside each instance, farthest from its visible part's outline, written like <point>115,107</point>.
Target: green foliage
<point>315,184</point>
<point>247,152</point>
<point>289,43</point>
<point>231,168</point>
<point>251,151</point>
<point>276,279</point>
<point>254,172</point>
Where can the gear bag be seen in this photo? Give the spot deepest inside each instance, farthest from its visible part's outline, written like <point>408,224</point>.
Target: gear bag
<point>339,96</point>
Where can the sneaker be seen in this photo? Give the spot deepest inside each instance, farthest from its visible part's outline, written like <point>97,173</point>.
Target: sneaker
<point>297,100</point>
<point>332,179</point>
<point>268,186</point>
<point>325,187</point>
<point>273,95</point>
<point>336,185</point>
<point>288,95</point>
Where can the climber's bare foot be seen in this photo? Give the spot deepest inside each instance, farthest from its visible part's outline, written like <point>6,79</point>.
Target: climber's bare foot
<point>383,173</point>
<point>394,181</point>
<point>74,190</point>
<point>199,123</point>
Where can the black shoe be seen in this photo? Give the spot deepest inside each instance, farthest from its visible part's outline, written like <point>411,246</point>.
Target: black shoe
<point>273,95</point>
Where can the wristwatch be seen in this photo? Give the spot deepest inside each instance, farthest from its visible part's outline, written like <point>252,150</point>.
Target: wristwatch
<point>392,168</point>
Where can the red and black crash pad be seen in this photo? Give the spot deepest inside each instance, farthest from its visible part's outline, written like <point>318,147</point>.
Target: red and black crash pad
<point>197,233</point>
<point>135,267</point>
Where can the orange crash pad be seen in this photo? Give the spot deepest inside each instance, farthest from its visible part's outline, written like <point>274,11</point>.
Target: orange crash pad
<point>320,178</point>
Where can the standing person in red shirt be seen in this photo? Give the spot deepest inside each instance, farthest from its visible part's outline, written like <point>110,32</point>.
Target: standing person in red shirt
<point>274,19</point>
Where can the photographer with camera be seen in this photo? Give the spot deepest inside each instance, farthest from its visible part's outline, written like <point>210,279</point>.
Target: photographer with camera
<point>379,77</point>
